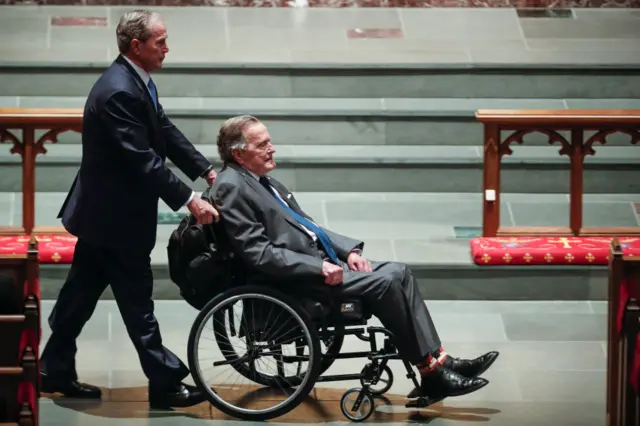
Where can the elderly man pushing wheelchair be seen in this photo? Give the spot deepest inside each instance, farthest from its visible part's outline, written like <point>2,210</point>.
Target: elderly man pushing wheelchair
<point>276,240</point>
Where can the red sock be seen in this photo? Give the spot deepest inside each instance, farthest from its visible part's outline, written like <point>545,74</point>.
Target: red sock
<point>442,355</point>
<point>427,365</point>
<point>432,360</point>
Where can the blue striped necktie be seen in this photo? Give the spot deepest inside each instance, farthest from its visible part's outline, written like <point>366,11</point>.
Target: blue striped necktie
<point>322,236</point>
<point>154,93</point>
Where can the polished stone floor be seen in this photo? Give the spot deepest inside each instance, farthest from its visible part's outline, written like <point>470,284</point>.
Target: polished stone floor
<point>551,369</point>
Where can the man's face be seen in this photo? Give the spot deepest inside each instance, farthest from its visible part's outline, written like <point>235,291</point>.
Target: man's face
<point>258,157</point>
<point>151,53</point>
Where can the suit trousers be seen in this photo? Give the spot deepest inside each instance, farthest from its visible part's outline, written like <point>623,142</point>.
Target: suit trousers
<point>129,274</point>
<point>390,292</point>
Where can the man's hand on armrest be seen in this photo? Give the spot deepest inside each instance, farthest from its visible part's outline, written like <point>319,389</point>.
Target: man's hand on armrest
<point>358,263</point>
<point>333,274</point>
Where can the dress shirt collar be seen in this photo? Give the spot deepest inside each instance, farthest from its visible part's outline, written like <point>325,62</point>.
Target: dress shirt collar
<point>145,76</point>
<point>255,176</point>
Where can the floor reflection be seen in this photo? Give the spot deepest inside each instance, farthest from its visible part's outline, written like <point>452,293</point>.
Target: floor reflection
<point>322,405</point>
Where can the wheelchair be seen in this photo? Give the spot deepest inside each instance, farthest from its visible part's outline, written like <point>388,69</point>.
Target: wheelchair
<point>268,322</point>
<point>249,324</point>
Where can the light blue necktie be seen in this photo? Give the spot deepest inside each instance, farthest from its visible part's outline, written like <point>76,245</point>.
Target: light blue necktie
<point>322,236</point>
<point>154,93</point>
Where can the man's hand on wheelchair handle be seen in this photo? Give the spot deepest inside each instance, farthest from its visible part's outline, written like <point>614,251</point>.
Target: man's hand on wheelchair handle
<point>358,263</point>
<point>333,273</point>
<point>203,211</point>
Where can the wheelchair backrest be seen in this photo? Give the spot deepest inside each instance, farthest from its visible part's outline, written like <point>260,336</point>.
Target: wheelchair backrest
<point>201,262</point>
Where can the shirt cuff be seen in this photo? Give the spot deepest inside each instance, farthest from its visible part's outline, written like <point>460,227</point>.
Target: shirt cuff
<point>193,194</point>
<point>206,172</point>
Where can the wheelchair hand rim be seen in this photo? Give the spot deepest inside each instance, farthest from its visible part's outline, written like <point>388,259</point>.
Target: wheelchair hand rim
<point>301,323</point>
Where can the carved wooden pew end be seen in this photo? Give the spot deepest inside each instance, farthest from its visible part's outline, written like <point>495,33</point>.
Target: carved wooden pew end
<point>20,318</point>
<point>630,398</point>
<point>623,358</point>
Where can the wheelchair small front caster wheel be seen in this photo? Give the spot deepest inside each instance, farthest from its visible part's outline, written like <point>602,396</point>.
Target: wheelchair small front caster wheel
<point>357,404</point>
<point>384,382</point>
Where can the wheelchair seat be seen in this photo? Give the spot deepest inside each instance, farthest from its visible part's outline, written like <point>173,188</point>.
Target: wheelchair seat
<point>352,311</point>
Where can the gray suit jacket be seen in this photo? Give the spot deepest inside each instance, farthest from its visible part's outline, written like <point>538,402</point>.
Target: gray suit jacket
<point>268,239</point>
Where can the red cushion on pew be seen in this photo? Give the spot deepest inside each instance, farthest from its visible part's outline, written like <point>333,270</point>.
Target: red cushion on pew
<point>51,248</point>
<point>548,250</point>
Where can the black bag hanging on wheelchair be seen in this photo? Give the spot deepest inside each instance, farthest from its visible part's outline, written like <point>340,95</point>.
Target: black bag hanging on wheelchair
<point>196,264</point>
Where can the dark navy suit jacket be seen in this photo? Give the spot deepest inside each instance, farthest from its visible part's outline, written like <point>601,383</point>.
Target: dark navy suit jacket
<point>123,173</point>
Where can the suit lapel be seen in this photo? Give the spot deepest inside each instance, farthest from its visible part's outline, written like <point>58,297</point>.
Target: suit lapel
<point>286,195</point>
<point>270,199</point>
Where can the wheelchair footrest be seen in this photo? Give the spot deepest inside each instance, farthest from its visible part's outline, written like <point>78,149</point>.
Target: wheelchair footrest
<point>417,400</point>
<point>422,402</point>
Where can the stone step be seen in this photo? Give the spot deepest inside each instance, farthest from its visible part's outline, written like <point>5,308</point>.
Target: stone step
<point>392,215</point>
<point>333,121</point>
<point>322,79</point>
<point>374,168</point>
<point>429,231</point>
<point>436,282</point>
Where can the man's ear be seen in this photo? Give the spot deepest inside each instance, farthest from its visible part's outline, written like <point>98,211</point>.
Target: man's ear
<point>135,46</point>
<point>237,155</point>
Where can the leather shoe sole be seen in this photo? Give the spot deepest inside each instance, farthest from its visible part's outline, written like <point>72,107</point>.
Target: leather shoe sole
<point>71,389</point>
<point>188,397</point>
<point>478,384</point>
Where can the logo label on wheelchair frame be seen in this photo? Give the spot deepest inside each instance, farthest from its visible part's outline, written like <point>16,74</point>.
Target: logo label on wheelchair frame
<point>347,307</point>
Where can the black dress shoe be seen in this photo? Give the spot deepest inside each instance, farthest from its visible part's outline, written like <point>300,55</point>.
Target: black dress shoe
<point>179,396</point>
<point>69,388</point>
<point>441,383</point>
<point>470,367</point>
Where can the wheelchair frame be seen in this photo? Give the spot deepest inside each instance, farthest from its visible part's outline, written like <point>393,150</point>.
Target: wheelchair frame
<point>371,373</point>
<point>369,376</point>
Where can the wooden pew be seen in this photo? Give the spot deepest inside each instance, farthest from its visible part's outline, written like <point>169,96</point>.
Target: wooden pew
<point>18,126</point>
<point>519,123</point>
<point>623,356</point>
<point>20,331</point>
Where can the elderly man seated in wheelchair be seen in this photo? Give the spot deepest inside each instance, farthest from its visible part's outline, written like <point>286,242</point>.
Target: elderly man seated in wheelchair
<point>276,240</point>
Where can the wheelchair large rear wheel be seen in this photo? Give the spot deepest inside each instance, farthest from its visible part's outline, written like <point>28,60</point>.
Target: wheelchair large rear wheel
<point>270,322</point>
<point>331,340</point>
